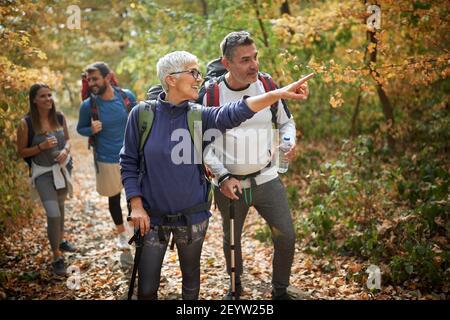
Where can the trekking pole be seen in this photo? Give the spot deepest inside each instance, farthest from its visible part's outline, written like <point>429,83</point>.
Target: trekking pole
<point>232,253</point>
<point>137,257</point>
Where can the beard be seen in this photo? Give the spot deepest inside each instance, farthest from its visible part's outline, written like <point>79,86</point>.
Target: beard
<point>101,90</point>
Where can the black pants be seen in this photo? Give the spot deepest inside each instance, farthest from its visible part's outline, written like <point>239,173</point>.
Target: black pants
<point>153,252</point>
<point>115,209</point>
<point>270,200</point>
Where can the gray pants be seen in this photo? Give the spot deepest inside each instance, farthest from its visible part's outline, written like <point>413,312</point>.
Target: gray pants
<point>53,202</point>
<point>152,257</point>
<point>270,200</point>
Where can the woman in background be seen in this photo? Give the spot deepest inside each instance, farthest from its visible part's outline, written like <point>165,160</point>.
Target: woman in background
<point>43,140</point>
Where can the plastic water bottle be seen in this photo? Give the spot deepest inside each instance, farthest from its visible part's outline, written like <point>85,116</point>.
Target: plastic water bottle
<point>285,146</point>
<point>54,151</point>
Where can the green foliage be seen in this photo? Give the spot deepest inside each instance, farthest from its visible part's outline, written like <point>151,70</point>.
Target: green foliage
<point>292,194</point>
<point>328,267</point>
<point>420,261</point>
<point>367,201</point>
<point>386,210</point>
<point>263,234</point>
<point>19,60</point>
<point>29,276</point>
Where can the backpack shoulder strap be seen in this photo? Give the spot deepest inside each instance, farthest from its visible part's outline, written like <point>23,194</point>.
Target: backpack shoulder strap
<point>270,85</point>
<point>27,119</point>
<point>125,99</point>
<point>60,118</point>
<point>30,129</point>
<point>145,119</point>
<point>93,106</point>
<point>267,81</point>
<point>212,91</point>
<point>146,115</point>
<point>194,119</point>
<point>194,115</point>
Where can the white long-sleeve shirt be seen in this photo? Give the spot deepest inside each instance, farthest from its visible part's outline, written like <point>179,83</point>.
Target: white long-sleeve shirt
<point>251,146</point>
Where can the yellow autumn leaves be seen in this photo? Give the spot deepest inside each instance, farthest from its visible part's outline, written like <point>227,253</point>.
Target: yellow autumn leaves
<point>336,100</point>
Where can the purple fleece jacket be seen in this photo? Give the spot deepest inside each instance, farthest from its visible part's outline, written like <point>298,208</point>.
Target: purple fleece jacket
<point>169,187</point>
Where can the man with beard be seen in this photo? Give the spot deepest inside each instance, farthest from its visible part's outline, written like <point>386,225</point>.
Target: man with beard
<point>104,116</point>
<point>256,180</point>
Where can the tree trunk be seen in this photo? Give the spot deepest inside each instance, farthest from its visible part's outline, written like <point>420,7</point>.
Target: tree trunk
<point>284,9</point>
<point>261,24</point>
<point>353,132</point>
<point>264,33</point>
<point>67,87</point>
<point>384,99</point>
<point>204,8</point>
<point>388,114</point>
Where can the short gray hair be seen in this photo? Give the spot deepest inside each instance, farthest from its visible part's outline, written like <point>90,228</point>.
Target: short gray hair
<point>173,62</point>
<point>232,41</point>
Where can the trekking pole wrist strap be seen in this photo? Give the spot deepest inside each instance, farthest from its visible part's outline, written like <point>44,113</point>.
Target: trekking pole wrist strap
<point>224,178</point>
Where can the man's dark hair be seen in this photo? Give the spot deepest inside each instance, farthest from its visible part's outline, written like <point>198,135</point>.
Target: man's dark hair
<point>100,66</point>
<point>232,41</point>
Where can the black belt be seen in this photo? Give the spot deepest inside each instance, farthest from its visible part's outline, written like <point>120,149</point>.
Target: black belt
<point>251,175</point>
<point>183,215</point>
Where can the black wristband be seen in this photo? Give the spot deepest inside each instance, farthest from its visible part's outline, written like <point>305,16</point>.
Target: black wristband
<point>223,178</point>
<point>129,211</point>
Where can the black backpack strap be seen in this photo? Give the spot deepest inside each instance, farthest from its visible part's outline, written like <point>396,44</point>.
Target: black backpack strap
<point>30,140</point>
<point>93,107</point>
<point>60,118</point>
<point>30,130</point>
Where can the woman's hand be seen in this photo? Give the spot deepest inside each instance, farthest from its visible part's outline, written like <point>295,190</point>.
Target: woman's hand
<point>139,216</point>
<point>62,156</point>
<point>50,142</point>
<point>140,219</point>
<point>296,91</point>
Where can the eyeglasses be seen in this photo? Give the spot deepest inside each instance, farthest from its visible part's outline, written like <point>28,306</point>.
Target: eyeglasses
<point>233,38</point>
<point>194,73</point>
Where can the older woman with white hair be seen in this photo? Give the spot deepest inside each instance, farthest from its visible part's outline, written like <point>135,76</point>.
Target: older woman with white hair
<point>166,196</point>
